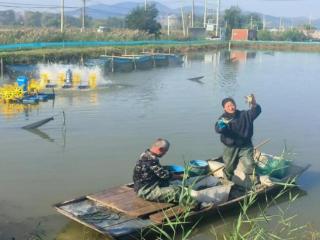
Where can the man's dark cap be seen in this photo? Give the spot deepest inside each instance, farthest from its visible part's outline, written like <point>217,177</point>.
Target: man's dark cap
<point>228,99</point>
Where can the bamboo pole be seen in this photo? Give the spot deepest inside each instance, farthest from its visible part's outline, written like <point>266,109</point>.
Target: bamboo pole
<point>1,66</point>
<point>262,143</point>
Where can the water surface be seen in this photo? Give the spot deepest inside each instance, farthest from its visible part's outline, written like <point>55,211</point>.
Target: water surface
<point>107,129</point>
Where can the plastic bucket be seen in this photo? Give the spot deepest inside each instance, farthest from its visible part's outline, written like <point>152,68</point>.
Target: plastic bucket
<point>23,82</point>
<point>198,167</point>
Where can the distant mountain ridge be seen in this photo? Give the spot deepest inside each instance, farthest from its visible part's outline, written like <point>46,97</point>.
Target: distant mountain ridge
<point>102,11</point>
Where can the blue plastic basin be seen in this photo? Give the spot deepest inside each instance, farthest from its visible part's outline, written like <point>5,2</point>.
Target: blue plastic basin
<point>198,167</point>
<point>175,169</point>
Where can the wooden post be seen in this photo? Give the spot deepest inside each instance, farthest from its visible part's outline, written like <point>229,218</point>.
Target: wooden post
<point>134,63</point>
<point>81,61</point>
<point>1,66</point>
<point>112,64</point>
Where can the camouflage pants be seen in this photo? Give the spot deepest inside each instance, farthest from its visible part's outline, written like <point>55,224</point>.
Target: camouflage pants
<point>161,194</point>
<point>232,156</point>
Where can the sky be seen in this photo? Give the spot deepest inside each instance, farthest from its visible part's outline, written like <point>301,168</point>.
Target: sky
<point>280,8</point>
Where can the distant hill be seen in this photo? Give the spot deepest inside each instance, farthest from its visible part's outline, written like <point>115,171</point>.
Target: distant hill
<point>102,11</point>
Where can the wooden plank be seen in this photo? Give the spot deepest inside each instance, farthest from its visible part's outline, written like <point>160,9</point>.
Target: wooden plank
<point>124,199</point>
<point>148,208</point>
<point>110,192</point>
<point>170,213</point>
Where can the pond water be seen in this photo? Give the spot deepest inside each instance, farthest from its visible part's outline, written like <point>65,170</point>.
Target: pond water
<point>107,129</point>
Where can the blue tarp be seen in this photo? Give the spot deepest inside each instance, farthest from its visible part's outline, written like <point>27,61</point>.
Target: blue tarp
<point>94,44</point>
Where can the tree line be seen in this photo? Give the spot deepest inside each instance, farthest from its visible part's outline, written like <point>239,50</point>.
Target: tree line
<point>147,20</point>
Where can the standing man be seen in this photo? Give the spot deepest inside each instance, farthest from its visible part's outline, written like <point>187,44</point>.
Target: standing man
<point>151,180</point>
<point>236,129</point>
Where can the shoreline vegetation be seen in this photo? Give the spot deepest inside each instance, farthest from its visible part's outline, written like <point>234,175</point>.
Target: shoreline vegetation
<point>53,54</point>
<point>73,44</point>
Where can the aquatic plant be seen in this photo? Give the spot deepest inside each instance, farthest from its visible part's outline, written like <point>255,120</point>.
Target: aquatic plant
<point>258,227</point>
<point>177,224</point>
<point>38,233</point>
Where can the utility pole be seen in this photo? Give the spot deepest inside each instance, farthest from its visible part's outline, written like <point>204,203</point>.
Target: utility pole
<point>62,16</point>
<point>280,24</point>
<point>310,20</point>
<point>83,15</point>
<point>168,25</point>
<point>205,14</point>
<point>183,25</point>
<point>192,14</point>
<point>217,20</point>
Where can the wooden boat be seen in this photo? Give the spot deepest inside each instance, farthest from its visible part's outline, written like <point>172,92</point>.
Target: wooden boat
<point>118,212</point>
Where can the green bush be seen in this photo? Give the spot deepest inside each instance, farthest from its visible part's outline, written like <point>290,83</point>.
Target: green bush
<point>292,35</point>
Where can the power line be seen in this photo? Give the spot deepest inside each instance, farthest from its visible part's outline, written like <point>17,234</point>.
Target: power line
<point>30,5</point>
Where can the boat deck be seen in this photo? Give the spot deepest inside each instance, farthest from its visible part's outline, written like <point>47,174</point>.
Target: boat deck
<point>125,200</point>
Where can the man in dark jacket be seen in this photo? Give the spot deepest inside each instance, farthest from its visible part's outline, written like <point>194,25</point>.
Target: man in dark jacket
<point>151,180</point>
<point>236,129</point>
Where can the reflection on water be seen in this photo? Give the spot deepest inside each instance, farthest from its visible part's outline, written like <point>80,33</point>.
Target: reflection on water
<point>41,134</point>
<point>10,111</point>
<point>106,129</point>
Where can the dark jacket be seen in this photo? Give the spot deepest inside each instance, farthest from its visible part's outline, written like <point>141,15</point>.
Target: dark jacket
<point>148,172</point>
<point>238,130</point>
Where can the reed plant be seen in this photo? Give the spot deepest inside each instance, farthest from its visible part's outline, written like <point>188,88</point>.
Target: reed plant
<point>179,225</point>
<point>259,227</point>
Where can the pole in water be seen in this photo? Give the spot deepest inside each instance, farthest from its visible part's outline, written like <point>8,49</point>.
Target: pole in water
<point>1,63</point>
<point>38,124</point>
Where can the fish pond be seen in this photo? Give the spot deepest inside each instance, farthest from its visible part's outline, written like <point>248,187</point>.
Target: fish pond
<point>104,131</point>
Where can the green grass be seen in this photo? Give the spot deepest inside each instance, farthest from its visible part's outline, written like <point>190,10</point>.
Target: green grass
<point>263,225</point>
